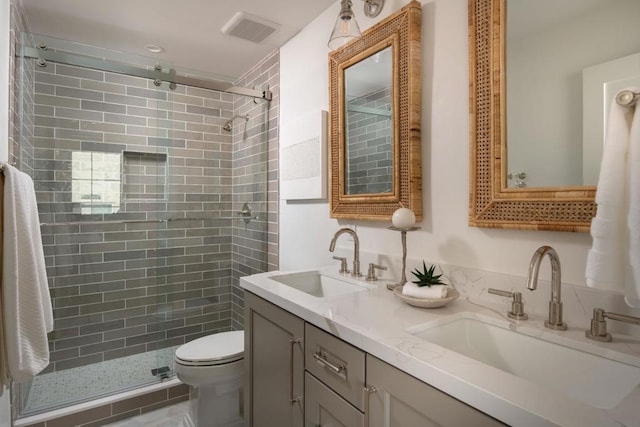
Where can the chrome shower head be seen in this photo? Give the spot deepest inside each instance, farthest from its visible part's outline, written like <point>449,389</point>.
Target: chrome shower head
<point>227,125</point>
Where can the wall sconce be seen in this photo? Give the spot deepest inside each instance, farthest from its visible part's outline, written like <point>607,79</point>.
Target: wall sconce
<point>346,27</point>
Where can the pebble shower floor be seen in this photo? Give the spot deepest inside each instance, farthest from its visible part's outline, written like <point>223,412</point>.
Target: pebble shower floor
<point>60,388</point>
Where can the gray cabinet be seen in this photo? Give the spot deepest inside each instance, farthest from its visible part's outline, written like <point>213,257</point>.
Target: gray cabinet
<point>279,346</point>
<point>323,407</point>
<point>274,361</point>
<point>401,400</point>
<point>336,363</point>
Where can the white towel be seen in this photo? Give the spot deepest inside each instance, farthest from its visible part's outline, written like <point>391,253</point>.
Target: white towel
<point>410,289</point>
<point>26,303</point>
<point>613,262</point>
<point>632,287</point>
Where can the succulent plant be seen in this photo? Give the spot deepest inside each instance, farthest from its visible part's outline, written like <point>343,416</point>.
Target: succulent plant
<point>426,276</point>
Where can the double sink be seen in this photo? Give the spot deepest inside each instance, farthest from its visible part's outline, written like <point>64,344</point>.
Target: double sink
<point>590,374</point>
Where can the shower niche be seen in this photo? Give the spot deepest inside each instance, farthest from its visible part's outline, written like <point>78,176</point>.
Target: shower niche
<point>144,176</point>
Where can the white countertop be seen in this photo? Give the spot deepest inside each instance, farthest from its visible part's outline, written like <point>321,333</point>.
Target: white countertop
<point>376,321</point>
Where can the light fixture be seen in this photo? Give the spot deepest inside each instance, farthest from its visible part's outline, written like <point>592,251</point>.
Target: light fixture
<point>346,27</point>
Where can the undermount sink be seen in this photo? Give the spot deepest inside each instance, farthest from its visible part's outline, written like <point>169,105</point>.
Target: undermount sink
<point>318,285</point>
<point>598,381</point>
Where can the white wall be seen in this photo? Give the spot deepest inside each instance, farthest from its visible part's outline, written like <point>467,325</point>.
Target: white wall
<point>5,413</point>
<point>445,237</point>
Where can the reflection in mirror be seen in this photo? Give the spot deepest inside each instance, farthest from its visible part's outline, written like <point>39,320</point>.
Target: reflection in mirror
<point>369,136</point>
<point>565,61</point>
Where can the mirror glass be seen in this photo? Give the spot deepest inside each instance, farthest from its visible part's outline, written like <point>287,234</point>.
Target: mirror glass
<point>565,61</point>
<point>369,125</point>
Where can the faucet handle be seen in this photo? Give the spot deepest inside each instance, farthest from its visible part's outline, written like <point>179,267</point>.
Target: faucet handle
<point>343,264</point>
<point>517,306</point>
<point>371,274</point>
<point>598,330</point>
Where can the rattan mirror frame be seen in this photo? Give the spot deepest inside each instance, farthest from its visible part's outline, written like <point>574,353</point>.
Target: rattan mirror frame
<point>492,204</point>
<point>402,30</point>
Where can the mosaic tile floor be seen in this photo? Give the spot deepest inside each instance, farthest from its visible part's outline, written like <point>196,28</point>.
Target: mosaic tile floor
<point>61,388</point>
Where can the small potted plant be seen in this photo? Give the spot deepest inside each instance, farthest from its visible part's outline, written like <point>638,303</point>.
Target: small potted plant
<point>426,277</point>
<point>428,290</point>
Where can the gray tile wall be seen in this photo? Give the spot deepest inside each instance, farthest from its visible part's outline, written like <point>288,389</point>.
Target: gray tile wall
<point>255,179</point>
<point>371,153</point>
<point>120,289</point>
<point>21,76</point>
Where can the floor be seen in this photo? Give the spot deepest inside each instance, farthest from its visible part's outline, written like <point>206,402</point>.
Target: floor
<point>170,416</point>
<point>61,388</point>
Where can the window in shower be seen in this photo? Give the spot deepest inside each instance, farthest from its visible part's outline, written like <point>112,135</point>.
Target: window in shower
<point>95,182</point>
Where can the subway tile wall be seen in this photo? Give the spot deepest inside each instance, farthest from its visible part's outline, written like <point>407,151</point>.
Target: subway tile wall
<point>371,153</point>
<point>255,179</point>
<point>117,288</point>
<point>21,79</point>
<point>120,289</point>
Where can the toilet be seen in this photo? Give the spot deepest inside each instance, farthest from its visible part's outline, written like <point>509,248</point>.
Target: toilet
<point>213,367</point>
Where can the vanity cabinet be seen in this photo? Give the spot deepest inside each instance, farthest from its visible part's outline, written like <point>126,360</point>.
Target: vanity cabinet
<point>324,407</point>
<point>274,365</point>
<point>402,400</point>
<point>298,374</point>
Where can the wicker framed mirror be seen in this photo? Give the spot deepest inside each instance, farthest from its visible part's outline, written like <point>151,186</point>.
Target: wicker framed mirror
<point>391,143</point>
<point>492,203</point>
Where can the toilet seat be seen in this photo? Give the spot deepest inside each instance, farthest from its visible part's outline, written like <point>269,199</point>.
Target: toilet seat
<point>216,349</point>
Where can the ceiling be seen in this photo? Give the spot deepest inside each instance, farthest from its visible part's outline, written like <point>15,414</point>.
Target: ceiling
<point>188,30</point>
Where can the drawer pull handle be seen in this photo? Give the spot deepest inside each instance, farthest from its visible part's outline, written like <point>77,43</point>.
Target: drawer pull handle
<point>367,407</point>
<point>292,400</point>
<point>321,357</point>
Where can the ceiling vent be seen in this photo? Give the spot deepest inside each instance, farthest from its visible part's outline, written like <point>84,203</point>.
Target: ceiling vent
<point>249,27</point>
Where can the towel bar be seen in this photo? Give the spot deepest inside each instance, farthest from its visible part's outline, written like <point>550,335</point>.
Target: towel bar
<point>2,165</point>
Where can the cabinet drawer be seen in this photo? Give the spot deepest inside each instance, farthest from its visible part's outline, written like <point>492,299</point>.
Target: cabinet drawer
<point>323,407</point>
<point>337,364</point>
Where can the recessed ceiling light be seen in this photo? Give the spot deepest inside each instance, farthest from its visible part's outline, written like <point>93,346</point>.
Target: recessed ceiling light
<point>154,48</point>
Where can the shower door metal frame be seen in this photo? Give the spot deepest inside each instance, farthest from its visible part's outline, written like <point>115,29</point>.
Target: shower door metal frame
<point>42,55</point>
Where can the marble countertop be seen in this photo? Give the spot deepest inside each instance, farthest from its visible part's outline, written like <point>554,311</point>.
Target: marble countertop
<point>376,321</point>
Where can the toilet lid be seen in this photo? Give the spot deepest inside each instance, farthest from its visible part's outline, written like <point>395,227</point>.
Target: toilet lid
<point>220,347</point>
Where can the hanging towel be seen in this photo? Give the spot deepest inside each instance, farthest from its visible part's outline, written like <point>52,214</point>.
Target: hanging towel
<point>632,284</point>
<point>610,260</point>
<point>26,303</point>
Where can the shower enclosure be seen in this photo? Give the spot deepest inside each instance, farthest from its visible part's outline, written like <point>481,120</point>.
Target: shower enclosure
<point>152,201</point>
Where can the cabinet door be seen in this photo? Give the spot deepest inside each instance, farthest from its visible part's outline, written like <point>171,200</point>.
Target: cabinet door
<point>274,362</point>
<point>324,408</point>
<point>337,364</point>
<point>401,400</point>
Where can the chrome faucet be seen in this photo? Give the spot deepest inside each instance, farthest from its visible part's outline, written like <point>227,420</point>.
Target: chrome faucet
<point>555,305</point>
<point>356,248</point>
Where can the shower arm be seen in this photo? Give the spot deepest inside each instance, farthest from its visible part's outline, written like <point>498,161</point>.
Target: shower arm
<point>227,125</point>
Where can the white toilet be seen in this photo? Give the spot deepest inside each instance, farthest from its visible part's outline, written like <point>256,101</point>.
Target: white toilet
<point>213,366</point>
